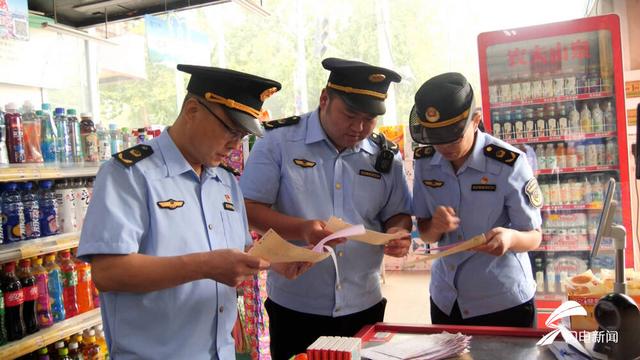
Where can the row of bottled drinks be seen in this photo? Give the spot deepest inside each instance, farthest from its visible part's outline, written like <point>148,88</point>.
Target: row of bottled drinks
<point>31,210</point>
<point>522,87</point>
<point>582,190</point>
<point>37,136</point>
<point>90,345</point>
<point>562,119</point>
<point>593,152</point>
<point>43,291</point>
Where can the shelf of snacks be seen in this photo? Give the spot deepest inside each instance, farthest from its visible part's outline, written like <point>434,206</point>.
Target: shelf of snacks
<point>50,335</point>
<point>45,245</point>
<point>572,137</point>
<point>553,99</point>
<point>571,207</point>
<point>24,172</point>
<point>577,170</point>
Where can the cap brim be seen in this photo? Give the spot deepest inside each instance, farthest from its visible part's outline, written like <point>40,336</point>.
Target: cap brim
<point>436,136</point>
<point>363,103</point>
<point>246,122</point>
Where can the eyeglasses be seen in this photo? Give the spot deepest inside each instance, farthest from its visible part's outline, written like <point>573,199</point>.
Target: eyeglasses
<point>235,134</point>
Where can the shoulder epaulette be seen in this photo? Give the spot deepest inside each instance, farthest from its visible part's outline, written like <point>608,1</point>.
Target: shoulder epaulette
<point>233,171</point>
<point>390,144</point>
<point>423,152</point>
<point>274,124</point>
<point>501,154</point>
<point>131,156</point>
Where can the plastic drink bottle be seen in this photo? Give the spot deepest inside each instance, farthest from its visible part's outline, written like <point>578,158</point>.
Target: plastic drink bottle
<point>13,300</point>
<point>74,134</point>
<point>31,211</point>
<point>12,213</point>
<point>30,292</point>
<point>65,149</point>
<point>85,295</point>
<point>89,138</point>
<point>15,134</point>
<point>32,134</point>
<point>69,284</point>
<point>48,207</point>
<point>55,287</point>
<point>49,138</point>
<point>43,305</point>
<point>3,324</point>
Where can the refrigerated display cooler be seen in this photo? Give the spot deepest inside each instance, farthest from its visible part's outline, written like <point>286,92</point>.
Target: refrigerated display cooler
<point>556,92</point>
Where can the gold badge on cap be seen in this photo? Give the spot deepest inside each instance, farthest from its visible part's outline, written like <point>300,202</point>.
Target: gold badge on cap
<point>267,93</point>
<point>432,114</point>
<point>376,78</point>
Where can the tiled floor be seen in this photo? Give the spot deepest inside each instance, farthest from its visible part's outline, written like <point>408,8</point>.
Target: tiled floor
<point>407,294</point>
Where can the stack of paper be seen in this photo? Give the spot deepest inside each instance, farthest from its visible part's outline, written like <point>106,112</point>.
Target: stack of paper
<point>420,347</point>
<point>335,348</point>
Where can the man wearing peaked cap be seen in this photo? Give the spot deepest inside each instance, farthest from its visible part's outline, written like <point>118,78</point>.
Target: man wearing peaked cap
<point>166,229</point>
<point>327,163</point>
<point>468,183</point>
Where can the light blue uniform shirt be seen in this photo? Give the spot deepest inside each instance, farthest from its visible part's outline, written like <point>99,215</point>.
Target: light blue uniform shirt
<point>333,186</point>
<point>190,321</point>
<point>482,283</point>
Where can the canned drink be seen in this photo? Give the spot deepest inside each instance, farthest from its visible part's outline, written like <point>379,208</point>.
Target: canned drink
<point>592,155</point>
<point>581,154</point>
<point>493,94</point>
<point>558,86</point>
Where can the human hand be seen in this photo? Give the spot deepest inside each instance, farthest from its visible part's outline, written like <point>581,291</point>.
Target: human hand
<point>399,246</point>
<point>315,230</point>
<point>291,270</point>
<point>231,266</point>
<point>498,241</point>
<point>444,220</point>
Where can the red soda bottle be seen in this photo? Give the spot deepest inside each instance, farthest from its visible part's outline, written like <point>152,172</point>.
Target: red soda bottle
<point>15,134</point>
<point>13,301</point>
<point>30,291</point>
<point>69,284</point>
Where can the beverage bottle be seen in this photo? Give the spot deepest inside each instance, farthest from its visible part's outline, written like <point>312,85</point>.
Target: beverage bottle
<point>3,323</point>
<point>43,305</point>
<point>104,144</point>
<point>519,125</point>
<point>540,157</point>
<point>65,148</point>
<point>594,79</point>
<point>611,152</point>
<point>79,185</point>
<point>91,350</point>
<point>574,121</point>
<point>74,351</point>
<point>115,139</point>
<point>561,160</point>
<point>31,211</point>
<point>90,187</point>
<point>15,134</point>
<point>63,354</point>
<point>48,209</point>
<point>43,354</point>
<point>13,213</point>
<point>541,123</point>
<point>69,284</point>
<point>496,125</point>
<point>539,274</point>
<point>586,189</point>
<point>552,123</point>
<point>609,118</point>
<point>32,134</point>
<point>13,302</point>
<point>4,154</point>
<point>601,153</point>
<point>585,119</point>
<point>597,116</point>
<point>571,156</point>
<point>551,274</point>
<point>65,197</point>
<point>563,122</point>
<point>55,287</point>
<point>74,134</point>
<point>48,143</point>
<point>30,293</point>
<point>507,126</point>
<point>78,339</point>
<point>101,341</point>
<point>529,124</point>
<point>85,295</point>
<point>142,133</point>
<point>127,138</point>
<point>550,156</point>
<point>53,349</point>
<point>89,138</point>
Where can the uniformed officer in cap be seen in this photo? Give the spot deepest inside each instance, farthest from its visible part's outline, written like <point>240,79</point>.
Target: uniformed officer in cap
<point>166,228</point>
<point>469,183</point>
<point>322,164</point>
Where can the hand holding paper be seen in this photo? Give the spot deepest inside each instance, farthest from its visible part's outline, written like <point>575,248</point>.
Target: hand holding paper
<point>452,249</point>
<point>275,249</point>
<point>369,237</point>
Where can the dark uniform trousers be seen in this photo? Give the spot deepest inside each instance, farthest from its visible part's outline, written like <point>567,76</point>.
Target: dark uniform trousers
<point>523,315</point>
<point>292,331</point>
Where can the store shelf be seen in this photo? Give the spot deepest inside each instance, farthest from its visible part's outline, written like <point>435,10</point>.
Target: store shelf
<point>40,246</point>
<point>555,99</point>
<point>555,248</point>
<point>577,170</point>
<point>570,207</point>
<point>572,137</point>
<point>50,335</point>
<point>24,172</point>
